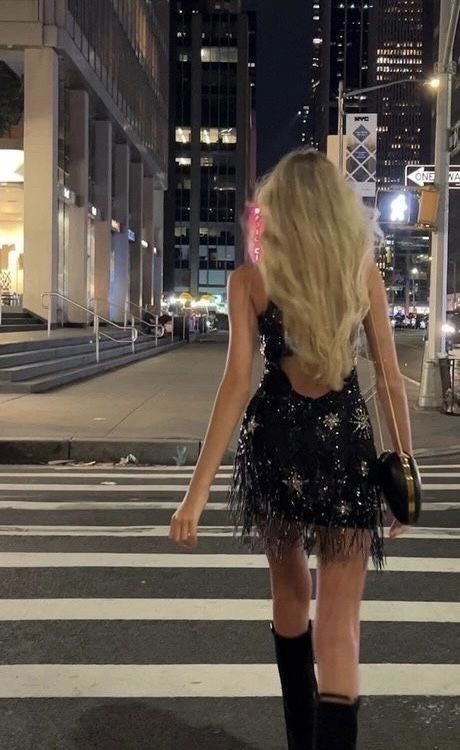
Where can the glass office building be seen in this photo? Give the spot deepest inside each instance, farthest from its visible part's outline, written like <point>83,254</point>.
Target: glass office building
<point>339,41</point>
<point>85,156</point>
<point>402,48</point>
<point>210,145</point>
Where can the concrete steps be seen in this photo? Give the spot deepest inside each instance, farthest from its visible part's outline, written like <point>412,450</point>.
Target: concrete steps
<point>20,321</point>
<point>39,366</point>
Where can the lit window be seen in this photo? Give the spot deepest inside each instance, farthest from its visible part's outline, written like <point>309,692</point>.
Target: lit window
<point>183,135</point>
<point>219,54</point>
<point>211,136</point>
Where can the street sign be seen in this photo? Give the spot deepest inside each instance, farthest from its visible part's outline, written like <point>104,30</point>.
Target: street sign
<point>424,175</point>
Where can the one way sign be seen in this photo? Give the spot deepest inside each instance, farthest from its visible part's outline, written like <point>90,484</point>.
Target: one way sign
<point>424,175</point>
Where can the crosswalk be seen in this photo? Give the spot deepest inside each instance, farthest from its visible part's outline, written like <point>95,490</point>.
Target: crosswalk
<point>96,604</point>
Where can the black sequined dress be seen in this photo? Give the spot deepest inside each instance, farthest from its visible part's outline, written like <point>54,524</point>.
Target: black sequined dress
<point>303,466</point>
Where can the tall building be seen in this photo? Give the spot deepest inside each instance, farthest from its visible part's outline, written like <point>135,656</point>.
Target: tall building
<point>339,42</point>
<point>210,144</point>
<point>401,43</point>
<point>283,60</point>
<point>83,152</point>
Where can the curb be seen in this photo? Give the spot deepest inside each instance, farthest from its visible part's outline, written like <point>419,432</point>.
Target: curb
<point>167,452</point>
<point>172,452</point>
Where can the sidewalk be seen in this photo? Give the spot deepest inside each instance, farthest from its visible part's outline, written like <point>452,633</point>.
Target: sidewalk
<point>166,398</point>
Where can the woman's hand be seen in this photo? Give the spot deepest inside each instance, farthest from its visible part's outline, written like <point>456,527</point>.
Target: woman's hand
<point>184,523</point>
<point>397,529</point>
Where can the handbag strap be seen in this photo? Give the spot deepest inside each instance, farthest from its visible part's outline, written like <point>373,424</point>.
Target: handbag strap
<point>387,389</point>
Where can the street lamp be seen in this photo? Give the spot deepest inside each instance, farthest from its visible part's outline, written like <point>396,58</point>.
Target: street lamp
<point>414,272</point>
<point>453,263</point>
<point>434,83</point>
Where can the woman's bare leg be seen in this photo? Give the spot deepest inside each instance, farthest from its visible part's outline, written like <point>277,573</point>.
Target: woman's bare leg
<point>291,587</point>
<point>340,589</point>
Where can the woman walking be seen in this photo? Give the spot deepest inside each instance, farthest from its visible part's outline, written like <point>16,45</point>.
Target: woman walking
<point>303,478</point>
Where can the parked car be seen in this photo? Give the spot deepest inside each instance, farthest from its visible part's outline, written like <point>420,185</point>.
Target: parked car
<point>400,321</point>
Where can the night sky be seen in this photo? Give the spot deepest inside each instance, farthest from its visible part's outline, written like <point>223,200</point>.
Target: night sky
<point>282,75</point>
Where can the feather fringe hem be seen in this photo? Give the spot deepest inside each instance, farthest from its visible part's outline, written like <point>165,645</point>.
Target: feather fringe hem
<point>261,522</point>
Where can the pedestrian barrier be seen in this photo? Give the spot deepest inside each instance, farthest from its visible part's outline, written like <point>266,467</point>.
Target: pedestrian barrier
<point>450,381</point>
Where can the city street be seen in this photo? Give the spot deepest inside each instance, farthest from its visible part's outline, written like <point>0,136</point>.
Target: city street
<point>114,638</point>
<point>150,152</point>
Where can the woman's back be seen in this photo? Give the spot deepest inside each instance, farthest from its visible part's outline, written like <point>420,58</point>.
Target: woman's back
<point>274,346</point>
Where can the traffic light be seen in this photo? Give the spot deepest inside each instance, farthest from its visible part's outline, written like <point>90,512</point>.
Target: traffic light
<point>398,207</point>
<point>428,206</point>
<point>409,208</point>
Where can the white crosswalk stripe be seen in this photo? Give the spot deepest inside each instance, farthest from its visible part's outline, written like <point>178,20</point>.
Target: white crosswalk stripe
<point>85,551</point>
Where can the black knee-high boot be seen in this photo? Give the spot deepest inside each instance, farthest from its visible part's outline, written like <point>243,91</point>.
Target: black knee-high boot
<point>336,723</point>
<point>298,683</point>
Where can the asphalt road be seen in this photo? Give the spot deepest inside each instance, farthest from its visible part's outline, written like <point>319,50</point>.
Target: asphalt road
<point>112,638</point>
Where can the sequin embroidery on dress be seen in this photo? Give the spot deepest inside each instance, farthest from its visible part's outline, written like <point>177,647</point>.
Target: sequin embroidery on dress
<point>303,466</point>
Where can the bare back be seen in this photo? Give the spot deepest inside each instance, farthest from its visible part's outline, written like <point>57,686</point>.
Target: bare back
<point>300,381</point>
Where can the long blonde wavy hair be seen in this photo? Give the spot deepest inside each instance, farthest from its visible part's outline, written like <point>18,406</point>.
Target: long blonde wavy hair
<point>315,252</point>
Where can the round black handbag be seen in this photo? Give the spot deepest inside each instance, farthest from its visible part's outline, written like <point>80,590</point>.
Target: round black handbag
<point>396,472</point>
<point>399,479</point>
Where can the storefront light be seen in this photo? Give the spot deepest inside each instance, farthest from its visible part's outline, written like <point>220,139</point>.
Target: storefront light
<point>11,165</point>
<point>145,244</point>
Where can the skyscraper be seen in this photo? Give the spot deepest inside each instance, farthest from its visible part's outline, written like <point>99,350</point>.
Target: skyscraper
<point>339,39</point>
<point>401,43</point>
<point>209,157</point>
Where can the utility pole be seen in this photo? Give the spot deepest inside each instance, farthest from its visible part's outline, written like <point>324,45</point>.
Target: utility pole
<point>340,114</point>
<point>430,389</point>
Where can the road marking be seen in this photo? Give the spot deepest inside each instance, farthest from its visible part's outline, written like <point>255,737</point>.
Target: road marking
<point>206,680</point>
<point>452,505</point>
<point>244,610</point>
<point>119,478</point>
<point>194,560</point>
<point>440,474</point>
<point>422,467</point>
<point>96,475</point>
<point>163,531</point>
<point>85,488</point>
<point>437,487</point>
<point>74,505</point>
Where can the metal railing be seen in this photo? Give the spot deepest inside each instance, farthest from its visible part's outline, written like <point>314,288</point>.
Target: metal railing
<point>156,327</point>
<point>159,326</point>
<point>97,319</point>
<point>450,382</point>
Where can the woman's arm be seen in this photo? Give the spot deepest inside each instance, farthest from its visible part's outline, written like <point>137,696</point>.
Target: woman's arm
<point>232,396</point>
<point>381,341</point>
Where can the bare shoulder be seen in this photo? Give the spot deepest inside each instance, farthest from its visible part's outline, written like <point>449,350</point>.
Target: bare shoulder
<point>241,279</point>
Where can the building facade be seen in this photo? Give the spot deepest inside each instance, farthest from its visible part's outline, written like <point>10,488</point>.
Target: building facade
<point>401,42</point>
<point>210,165</point>
<point>84,162</point>
<point>339,42</point>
